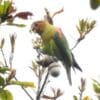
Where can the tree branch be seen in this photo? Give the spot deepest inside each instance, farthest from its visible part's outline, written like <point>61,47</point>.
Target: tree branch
<point>58,12</point>
<point>41,90</point>
<point>15,77</point>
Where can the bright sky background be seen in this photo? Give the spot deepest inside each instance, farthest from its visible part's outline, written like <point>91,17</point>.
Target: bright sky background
<point>86,53</point>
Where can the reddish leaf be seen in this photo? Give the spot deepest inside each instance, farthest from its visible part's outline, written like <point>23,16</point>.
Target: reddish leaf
<point>23,15</point>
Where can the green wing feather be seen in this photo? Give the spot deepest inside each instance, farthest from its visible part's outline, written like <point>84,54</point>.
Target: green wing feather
<point>63,47</point>
<point>65,52</point>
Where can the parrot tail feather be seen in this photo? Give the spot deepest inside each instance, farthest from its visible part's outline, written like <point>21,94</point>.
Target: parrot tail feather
<point>68,72</point>
<point>75,64</point>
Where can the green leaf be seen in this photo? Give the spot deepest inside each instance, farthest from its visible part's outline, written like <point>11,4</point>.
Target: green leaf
<point>18,25</point>
<point>2,81</point>
<point>6,95</point>
<point>4,8</point>
<point>96,86</point>
<point>75,97</point>
<point>92,24</point>
<point>1,10</point>
<point>94,4</point>
<point>96,82</point>
<point>81,24</point>
<point>24,84</point>
<point>7,5</point>
<point>78,29</point>
<point>4,69</point>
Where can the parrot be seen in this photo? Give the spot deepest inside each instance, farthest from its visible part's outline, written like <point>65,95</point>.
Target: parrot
<point>55,44</point>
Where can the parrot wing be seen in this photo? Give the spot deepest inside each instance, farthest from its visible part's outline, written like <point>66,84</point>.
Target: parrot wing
<point>68,58</point>
<point>75,64</point>
<point>65,52</point>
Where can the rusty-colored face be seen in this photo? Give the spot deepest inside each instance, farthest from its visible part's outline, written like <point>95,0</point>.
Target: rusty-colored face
<point>38,27</point>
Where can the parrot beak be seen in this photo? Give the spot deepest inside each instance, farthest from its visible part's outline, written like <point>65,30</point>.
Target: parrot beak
<point>33,29</point>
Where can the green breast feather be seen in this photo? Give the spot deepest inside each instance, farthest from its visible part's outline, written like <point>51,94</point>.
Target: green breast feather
<point>51,49</point>
<point>48,32</point>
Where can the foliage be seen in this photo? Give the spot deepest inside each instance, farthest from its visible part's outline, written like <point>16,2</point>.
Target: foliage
<point>7,73</point>
<point>6,13</point>
<point>82,88</point>
<point>6,95</point>
<point>96,88</point>
<point>84,27</point>
<point>45,65</point>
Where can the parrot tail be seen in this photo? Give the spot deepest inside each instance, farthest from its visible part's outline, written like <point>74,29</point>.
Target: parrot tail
<point>68,68</point>
<point>69,76</point>
<point>68,72</point>
<point>75,64</point>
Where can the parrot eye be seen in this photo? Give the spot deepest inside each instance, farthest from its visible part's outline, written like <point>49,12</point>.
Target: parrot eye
<point>35,24</point>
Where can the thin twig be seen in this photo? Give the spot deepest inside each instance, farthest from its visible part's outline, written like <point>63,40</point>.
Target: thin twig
<point>75,45</point>
<point>58,12</point>
<point>81,94</point>
<point>15,77</point>
<point>48,16</point>
<point>39,82</point>
<point>25,90</point>
<point>41,90</point>
<point>4,57</point>
<point>11,59</point>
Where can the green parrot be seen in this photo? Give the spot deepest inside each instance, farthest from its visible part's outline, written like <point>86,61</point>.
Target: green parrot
<point>55,44</point>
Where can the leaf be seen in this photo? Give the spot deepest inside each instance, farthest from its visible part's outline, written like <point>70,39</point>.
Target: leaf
<point>23,15</point>
<point>85,27</point>
<point>4,69</point>
<point>96,82</point>
<point>24,84</point>
<point>4,8</point>
<point>1,10</point>
<point>86,98</point>
<point>96,86</point>
<point>92,24</point>
<point>7,5</point>
<point>75,97</point>
<point>78,28</point>
<point>18,25</point>
<point>6,95</point>
<point>94,4</point>
<point>2,81</point>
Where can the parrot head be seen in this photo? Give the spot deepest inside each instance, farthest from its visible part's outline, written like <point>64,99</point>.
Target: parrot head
<point>38,27</point>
